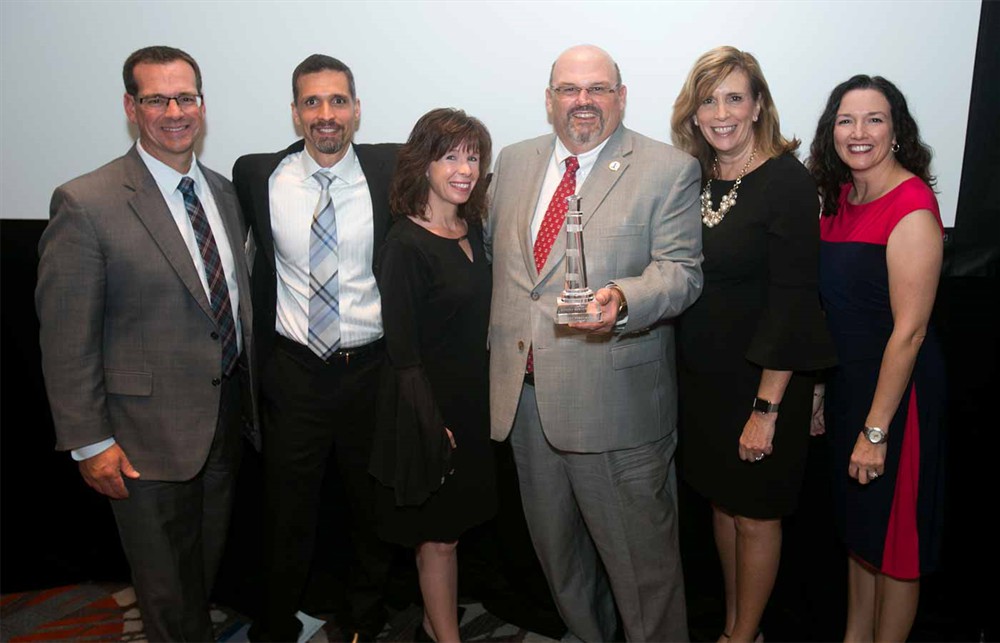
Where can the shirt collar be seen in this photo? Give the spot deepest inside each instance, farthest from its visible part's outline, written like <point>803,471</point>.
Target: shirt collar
<point>587,159</point>
<point>166,177</point>
<point>346,169</point>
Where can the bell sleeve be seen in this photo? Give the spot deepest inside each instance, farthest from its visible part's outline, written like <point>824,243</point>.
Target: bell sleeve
<point>791,333</point>
<point>411,452</point>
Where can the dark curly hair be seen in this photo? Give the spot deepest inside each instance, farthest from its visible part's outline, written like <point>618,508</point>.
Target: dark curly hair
<point>826,166</point>
<point>437,132</point>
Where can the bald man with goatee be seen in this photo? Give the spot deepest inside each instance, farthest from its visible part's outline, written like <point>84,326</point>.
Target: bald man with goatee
<point>590,408</point>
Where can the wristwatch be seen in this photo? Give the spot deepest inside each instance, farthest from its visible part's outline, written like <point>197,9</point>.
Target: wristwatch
<point>622,302</point>
<point>763,406</point>
<point>874,434</point>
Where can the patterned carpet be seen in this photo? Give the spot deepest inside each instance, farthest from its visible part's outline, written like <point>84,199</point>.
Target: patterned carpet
<point>108,612</point>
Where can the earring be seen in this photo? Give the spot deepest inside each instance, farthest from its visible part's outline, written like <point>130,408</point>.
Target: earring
<point>895,147</point>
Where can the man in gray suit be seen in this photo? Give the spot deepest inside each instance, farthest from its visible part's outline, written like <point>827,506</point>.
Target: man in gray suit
<point>591,409</point>
<point>143,297</point>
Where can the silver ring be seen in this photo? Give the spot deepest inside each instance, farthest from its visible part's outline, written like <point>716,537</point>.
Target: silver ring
<point>872,475</point>
<point>760,456</point>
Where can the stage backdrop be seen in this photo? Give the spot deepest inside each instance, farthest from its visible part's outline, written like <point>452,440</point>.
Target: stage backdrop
<point>61,99</point>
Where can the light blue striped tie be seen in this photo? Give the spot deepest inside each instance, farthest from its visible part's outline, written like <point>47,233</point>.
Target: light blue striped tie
<point>324,302</point>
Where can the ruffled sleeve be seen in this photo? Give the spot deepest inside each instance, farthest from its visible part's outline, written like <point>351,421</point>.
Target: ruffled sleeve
<point>411,450</point>
<point>791,333</point>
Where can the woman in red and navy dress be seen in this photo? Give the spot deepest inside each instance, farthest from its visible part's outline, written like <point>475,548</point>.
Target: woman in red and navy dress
<point>880,260</point>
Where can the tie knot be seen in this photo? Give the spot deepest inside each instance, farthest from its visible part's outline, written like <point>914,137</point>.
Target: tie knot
<point>323,178</point>
<point>572,164</point>
<point>186,186</point>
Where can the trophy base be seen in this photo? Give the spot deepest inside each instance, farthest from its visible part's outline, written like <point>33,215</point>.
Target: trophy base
<point>573,311</point>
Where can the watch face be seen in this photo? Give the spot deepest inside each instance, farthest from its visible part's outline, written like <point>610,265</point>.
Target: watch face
<point>875,435</point>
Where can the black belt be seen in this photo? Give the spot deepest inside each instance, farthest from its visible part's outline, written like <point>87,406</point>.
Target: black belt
<point>343,356</point>
<point>529,378</point>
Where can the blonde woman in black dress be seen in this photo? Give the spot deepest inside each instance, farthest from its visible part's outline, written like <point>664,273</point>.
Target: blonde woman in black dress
<point>747,344</point>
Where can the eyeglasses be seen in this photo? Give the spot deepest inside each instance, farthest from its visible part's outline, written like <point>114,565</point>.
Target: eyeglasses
<point>572,91</point>
<point>157,103</point>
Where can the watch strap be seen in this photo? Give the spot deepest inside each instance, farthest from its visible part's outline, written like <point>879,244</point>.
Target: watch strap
<point>764,406</point>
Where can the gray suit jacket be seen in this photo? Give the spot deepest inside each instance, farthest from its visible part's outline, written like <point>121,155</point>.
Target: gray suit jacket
<point>642,231</point>
<point>130,346</point>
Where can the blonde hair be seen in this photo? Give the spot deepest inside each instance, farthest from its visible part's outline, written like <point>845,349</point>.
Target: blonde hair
<point>708,71</point>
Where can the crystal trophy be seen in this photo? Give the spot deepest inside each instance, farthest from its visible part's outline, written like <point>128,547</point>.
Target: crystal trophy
<point>576,303</point>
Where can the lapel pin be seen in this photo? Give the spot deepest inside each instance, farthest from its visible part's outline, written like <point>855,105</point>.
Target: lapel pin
<point>614,165</point>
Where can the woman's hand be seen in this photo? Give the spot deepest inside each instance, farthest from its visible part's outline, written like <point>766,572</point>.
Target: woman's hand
<point>867,460</point>
<point>758,432</point>
<point>817,426</point>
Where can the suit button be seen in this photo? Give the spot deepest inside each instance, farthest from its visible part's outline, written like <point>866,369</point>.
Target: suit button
<point>216,381</point>
<point>215,335</point>
<point>520,345</point>
<point>535,296</point>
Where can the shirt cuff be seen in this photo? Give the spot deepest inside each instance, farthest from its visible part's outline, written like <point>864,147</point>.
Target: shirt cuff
<point>91,450</point>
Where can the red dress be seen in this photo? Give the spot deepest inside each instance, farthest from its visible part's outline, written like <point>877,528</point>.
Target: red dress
<point>895,523</point>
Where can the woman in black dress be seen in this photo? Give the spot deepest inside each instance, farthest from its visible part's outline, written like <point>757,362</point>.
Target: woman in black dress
<point>880,261</point>
<point>432,453</point>
<point>747,344</point>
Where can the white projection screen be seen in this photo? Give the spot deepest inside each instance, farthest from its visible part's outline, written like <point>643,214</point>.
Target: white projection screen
<point>61,112</point>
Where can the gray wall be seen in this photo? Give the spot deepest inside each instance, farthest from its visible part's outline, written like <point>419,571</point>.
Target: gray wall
<point>61,97</point>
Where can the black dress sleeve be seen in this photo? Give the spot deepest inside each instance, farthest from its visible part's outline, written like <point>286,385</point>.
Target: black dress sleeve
<point>411,451</point>
<point>791,333</point>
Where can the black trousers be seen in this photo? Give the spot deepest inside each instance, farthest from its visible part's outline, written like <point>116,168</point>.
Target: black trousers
<point>173,533</point>
<point>317,415</point>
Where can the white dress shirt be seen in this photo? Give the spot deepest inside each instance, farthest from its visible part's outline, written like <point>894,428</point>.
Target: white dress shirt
<point>553,175</point>
<point>294,197</point>
<point>168,179</point>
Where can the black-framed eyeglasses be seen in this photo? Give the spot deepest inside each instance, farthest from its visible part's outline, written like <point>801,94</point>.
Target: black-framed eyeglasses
<point>594,91</point>
<point>158,103</point>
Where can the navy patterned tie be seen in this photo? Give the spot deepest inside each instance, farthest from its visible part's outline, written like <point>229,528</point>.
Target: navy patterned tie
<point>222,308</point>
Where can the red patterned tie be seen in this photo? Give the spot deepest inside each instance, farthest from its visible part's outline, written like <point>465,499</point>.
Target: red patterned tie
<point>552,224</point>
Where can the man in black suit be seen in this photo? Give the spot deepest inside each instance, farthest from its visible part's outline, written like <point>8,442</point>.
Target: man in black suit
<point>318,211</point>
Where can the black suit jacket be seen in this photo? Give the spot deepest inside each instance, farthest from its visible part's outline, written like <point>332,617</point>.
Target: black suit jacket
<point>251,176</point>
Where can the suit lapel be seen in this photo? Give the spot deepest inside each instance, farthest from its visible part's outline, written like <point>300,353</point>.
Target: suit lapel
<point>228,207</point>
<point>602,178</point>
<point>528,202</point>
<point>378,175</point>
<point>260,197</point>
<point>148,205</point>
